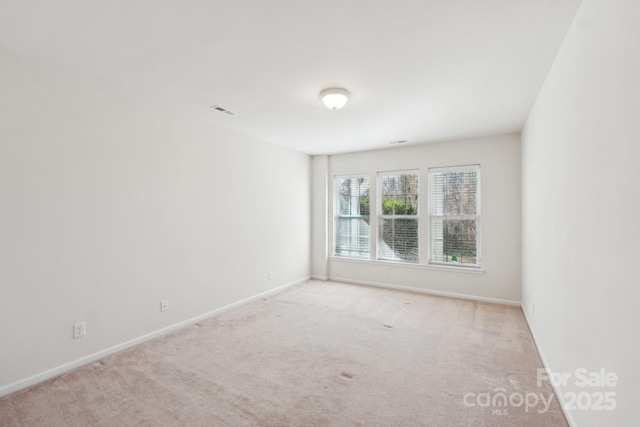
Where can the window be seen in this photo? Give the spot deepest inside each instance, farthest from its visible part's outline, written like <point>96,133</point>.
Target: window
<point>398,217</point>
<point>454,215</point>
<point>352,217</point>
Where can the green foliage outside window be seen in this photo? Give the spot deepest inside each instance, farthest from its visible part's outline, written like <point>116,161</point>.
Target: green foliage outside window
<point>397,206</point>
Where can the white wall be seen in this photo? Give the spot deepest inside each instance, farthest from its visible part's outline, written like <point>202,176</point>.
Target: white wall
<point>581,208</point>
<point>109,204</point>
<point>499,157</point>
<point>319,219</point>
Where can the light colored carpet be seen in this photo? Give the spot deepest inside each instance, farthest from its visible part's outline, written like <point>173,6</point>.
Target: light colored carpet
<point>318,354</point>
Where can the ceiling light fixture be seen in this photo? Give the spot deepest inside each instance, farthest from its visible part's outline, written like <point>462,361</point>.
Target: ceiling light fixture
<point>334,98</point>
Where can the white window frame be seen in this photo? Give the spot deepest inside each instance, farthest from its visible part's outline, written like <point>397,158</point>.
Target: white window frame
<point>476,217</point>
<point>380,216</point>
<point>337,215</point>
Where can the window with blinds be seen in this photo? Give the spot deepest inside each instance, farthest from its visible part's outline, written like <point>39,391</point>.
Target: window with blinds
<point>398,218</point>
<point>454,215</point>
<point>351,222</point>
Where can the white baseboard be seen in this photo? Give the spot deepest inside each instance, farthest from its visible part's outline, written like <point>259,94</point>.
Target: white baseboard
<point>325,278</point>
<point>428,291</point>
<point>546,366</point>
<point>51,373</point>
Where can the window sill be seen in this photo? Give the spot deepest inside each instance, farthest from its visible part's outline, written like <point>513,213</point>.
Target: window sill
<point>436,267</point>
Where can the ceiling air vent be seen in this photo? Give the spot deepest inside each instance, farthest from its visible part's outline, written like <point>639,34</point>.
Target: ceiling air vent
<point>223,110</point>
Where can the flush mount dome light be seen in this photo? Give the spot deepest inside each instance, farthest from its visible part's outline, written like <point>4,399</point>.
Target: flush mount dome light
<point>334,98</point>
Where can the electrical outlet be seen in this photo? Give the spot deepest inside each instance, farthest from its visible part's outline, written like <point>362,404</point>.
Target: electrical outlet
<point>164,305</point>
<point>533,308</point>
<point>79,329</point>
<point>269,275</point>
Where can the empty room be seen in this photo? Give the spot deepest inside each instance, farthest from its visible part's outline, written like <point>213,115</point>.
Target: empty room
<point>319,213</point>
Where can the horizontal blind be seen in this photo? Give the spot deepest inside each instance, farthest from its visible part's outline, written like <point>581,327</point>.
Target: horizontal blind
<point>351,226</point>
<point>454,215</point>
<point>398,220</point>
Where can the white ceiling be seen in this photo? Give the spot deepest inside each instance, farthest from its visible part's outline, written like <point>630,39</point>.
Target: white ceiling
<point>420,70</point>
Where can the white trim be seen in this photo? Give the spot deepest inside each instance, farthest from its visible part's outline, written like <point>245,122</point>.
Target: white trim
<point>412,171</point>
<point>456,265</point>
<point>380,216</point>
<point>51,373</point>
<point>316,277</point>
<point>472,166</point>
<point>351,175</point>
<point>477,218</point>
<point>336,209</point>
<point>546,366</point>
<point>427,291</point>
<point>449,268</point>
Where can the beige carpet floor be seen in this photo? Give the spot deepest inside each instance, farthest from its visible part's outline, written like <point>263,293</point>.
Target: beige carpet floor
<point>318,354</point>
